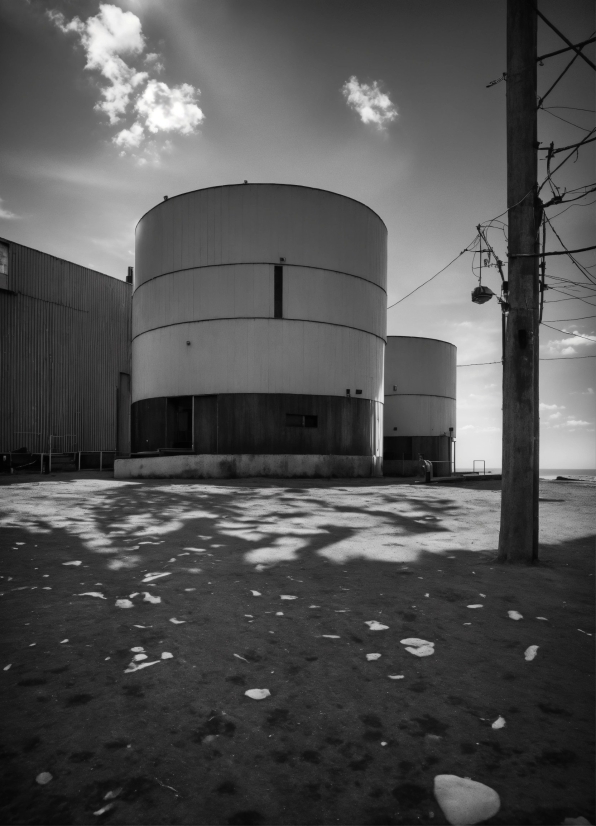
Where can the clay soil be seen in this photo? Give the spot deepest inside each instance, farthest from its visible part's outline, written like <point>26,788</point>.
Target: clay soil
<point>337,741</point>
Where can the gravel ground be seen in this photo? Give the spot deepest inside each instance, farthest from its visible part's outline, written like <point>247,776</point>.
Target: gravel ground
<point>272,585</point>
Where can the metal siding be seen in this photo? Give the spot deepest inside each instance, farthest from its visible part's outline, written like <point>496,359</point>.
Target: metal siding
<point>256,356</point>
<point>65,340</point>
<point>261,223</point>
<point>419,416</point>
<point>420,365</point>
<point>246,291</point>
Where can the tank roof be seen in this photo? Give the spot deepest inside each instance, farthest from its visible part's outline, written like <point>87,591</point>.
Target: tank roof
<point>297,186</point>
<point>425,338</point>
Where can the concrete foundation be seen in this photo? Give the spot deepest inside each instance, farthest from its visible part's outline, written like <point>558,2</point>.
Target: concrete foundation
<point>232,466</point>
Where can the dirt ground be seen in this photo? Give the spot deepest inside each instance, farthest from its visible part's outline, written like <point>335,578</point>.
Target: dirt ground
<point>337,741</point>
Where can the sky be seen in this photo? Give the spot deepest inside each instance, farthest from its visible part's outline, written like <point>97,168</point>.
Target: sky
<point>107,107</point>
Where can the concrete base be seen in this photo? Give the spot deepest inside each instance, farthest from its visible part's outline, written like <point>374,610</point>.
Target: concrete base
<point>232,466</point>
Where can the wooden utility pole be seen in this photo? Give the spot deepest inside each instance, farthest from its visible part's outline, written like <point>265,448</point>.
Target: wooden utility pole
<point>518,538</point>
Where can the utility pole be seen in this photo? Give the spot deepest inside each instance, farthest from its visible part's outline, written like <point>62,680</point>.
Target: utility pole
<point>518,537</point>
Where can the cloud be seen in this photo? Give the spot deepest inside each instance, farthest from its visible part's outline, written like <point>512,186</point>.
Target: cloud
<point>372,105</point>
<point>6,213</point>
<point>158,106</point>
<point>556,415</point>
<point>111,33</point>
<point>130,138</point>
<point>571,424</point>
<point>167,109</point>
<point>567,346</point>
<point>544,406</point>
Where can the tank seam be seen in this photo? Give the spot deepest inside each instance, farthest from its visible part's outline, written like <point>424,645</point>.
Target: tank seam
<point>256,318</point>
<point>259,263</point>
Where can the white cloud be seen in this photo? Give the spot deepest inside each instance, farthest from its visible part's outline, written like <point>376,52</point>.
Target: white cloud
<point>544,406</point>
<point>130,138</point>
<point>6,213</point>
<point>372,105</point>
<point>571,424</point>
<point>111,33</point>
<point>567,346</point>
<point>158,106</point>
<point>556,415</point>
<point>169,109</point>
<point>154,60</point>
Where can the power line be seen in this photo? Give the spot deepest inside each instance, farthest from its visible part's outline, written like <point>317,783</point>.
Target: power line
<point>577,126</point>
<point>575,335</point>
<point>571,298</point>
<point>432,276</point>
<point>550,358</point>
<point>581,318</point>
<point>577,108</point>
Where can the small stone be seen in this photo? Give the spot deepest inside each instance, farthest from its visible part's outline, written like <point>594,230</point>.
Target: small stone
<point>43,778</point>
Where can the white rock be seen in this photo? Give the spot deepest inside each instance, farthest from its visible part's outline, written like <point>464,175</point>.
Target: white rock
<point>91,594</point>
<point>376,626</point>
<point>415,641</point>
<point>43,778</point>
<point>123,603</point>
<point>74,562</point>
<point>476,605</point>
<point>167,656</point>
<point>150,598</point>
<point>373,657</point>
<point>258,693</point>
<point>421,650</point>
<point>137,649</point>
<point>177,621</point>
<point>256,593</point>
<point>514,615</point>
<point>465,801</point>
<point>499,723</point>
<point>287,596</point>
<point>396,676</point>
<point>531,652</point>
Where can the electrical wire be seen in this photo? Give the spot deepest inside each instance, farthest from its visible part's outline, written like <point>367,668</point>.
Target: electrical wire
<point>552,114</point>
<point>577,264</point>
<point>563,320</point>
<point>577,108</point>
<point>467,249</point>
<point>575,335</point>
<point>551,358</point>
<point>570,207</point>
<point>571,298</point>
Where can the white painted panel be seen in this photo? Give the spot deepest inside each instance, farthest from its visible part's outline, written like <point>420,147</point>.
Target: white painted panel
<point>247,291</point>
<point>420,365</point>
<point>419,416</point>
<point>257,356</point>
<point>256,223</point>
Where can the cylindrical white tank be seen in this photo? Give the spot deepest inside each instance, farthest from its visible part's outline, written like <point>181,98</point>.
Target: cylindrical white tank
<point>259,323</point>
<point>420,399</point>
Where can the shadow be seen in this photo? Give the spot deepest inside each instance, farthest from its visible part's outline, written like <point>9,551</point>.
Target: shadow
<point>340,738</point>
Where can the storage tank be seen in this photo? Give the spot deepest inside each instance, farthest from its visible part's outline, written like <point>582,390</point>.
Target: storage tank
<point>420,383</point>
<point>259,328</point>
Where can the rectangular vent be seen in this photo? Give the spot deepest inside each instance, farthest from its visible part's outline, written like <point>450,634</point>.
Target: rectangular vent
<point>300,420</point>
<point>278,292</point>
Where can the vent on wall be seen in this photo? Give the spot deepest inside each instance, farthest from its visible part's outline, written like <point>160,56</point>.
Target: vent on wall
<point>300,420</point>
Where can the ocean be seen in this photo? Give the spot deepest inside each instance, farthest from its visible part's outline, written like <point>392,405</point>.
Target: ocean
<point>545,473</point>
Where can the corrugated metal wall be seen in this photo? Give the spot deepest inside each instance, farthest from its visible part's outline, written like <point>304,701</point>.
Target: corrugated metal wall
<point>65,338</point>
